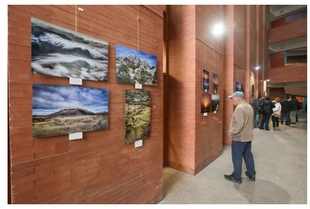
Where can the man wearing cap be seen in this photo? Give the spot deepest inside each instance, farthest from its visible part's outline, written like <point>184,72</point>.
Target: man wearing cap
<point>241,132</point>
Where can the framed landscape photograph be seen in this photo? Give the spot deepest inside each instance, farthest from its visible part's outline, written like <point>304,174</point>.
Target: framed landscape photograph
<point>205,102</point>
<point>60,110</point>
<point>215,83</point>
<point>134,66</point>
<point>239,87</point>
<point>137,115</point>
<point>215,102</point>
<point>60,52</point>
<point>205,80</point>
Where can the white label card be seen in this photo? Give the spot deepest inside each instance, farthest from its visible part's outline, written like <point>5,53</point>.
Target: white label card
<point>74,136</point>
<point>75,81</point>
<point>138,86</point>
<point>138,143</point>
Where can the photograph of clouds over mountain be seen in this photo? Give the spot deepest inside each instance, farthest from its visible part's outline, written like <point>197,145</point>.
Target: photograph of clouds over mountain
<point>57,51</point>
<point>134,66</point>
<point>61,110</point>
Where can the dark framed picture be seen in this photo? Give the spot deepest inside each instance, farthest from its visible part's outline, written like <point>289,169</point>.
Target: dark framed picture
<point>215,102</point>
<point>239,87</point>
<point>205,80</point>
<point>215,83</point>
<point>205,102</point>
<point>60,110</point>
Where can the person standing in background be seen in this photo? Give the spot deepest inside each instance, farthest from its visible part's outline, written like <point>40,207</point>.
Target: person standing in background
<point>257,104</point>
<point>285,112</point>
<point>261,110</point>
<point>276,114</point>
<point>294,108</point>
<point>241,133</point>
<point>267,104</point>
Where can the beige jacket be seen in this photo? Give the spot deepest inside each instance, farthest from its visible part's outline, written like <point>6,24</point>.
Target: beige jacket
<point>242,122</point>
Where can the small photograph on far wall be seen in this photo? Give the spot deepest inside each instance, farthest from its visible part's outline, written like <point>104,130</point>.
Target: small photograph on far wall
<point>205,80</point>
<point>215,102</point>
<point>215,83</point>
<point>137,115</point>
<point>205,102</point>
<point>134,66</point>
<point>60,110</point>
<point>239,87</point>
<point>60,52</point>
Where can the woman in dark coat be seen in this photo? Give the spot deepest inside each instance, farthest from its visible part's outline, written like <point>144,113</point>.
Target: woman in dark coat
<point>267,105</point>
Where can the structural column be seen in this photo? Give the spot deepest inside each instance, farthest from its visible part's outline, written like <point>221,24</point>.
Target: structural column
<point>259,85</point>
<point>228,70</point>
<point>265,45</point>
<point>247,83</point>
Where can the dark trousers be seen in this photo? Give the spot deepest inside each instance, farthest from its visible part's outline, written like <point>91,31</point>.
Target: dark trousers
<point>286,116</point>
<point>265,122</point>
<point>275,121</point>
<point>241,150</point>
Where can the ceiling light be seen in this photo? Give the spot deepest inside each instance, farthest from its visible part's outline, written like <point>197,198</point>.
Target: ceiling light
<point>218,29</point>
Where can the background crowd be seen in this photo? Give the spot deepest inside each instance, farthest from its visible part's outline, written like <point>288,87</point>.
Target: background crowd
<point>275,111</point>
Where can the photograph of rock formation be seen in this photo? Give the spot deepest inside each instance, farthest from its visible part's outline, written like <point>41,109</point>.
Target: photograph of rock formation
<point>134,66</point>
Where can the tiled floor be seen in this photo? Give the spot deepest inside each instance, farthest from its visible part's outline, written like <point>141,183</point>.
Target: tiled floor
<point>281,178</point>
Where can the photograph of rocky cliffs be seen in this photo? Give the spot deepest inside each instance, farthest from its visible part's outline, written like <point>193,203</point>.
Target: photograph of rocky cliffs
<point>60,110</point>
<point>215,83</point>
<point>137,115</point>
<point>60,52</point>
<point>134,66</point>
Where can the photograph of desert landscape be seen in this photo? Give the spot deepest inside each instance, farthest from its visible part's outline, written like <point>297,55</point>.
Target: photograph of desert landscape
<point>60,110</point>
